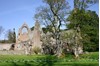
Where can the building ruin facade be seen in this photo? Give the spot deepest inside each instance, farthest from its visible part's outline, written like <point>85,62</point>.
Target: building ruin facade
<point>29,40</point>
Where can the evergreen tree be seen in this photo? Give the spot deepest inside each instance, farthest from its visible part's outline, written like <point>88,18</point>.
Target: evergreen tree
<point>89,25</point>
<point>11,35</point>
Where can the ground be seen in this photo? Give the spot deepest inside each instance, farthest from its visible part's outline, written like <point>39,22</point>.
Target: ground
<point>90,59</point>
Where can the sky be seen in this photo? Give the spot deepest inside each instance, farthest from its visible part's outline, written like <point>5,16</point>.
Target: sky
<point>13,13</point>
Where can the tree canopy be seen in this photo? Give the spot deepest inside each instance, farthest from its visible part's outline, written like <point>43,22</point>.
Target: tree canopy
<point>84,4</point>
<point>89,25</point>
<point>11,35</point>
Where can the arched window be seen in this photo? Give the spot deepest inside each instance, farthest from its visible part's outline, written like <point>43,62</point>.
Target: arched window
<point>24,30</point>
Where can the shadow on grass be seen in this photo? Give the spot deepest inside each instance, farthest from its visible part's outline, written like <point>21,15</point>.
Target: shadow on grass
<point>49,60</point>
<point>39,61</point>
<point>46,61</point>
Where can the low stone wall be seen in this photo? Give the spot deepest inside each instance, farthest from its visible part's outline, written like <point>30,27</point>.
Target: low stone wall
<point>6,46</point>
<point>5,50</point>
<point>11,52</point>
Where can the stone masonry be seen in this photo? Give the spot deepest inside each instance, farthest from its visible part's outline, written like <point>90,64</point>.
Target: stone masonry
<point>29,38</point>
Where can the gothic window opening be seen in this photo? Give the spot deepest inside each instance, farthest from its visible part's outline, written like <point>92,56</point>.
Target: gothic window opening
<point>24,30</point>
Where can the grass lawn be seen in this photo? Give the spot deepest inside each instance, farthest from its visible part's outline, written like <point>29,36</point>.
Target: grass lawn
<point>91,59</point>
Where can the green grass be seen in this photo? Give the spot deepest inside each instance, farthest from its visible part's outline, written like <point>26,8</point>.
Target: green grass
<point>92,55</point>
<point>91,59</point>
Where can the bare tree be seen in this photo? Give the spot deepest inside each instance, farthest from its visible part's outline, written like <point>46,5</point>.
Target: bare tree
<point>1,30</point>
<point>53,14</point>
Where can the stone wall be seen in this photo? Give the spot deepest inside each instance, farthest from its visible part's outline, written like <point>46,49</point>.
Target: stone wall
<point>5,46</point>
<point>11,52</point>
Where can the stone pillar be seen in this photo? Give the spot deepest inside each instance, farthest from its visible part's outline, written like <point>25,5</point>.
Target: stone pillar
<point>36,37</point>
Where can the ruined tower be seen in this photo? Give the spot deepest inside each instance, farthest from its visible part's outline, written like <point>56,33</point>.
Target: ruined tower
<point>36,36</point>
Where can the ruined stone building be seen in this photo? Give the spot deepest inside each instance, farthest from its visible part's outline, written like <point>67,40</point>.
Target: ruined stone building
<point>36,42</point>
<point>27,41</point>
<point>28,38</point>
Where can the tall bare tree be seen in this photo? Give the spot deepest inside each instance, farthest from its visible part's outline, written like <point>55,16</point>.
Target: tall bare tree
<point>53,15</point>
<point>1,30</point>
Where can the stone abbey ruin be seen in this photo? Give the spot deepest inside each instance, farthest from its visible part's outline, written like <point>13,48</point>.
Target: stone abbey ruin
<point>37,42</point>
<point>28,40</point>
<point>25,41</point>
